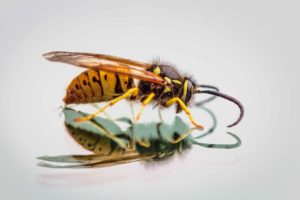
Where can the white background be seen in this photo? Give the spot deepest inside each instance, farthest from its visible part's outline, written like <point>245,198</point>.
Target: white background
<point>250,49</point>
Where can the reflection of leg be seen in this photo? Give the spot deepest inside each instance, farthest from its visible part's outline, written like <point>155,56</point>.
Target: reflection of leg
<point>160,114</point>
<point>121,142</point>
<point>131,138</point>
<point>132,91</point>
<point>145,103</point>
<point>186,110</point>
<point>132,110</point>
<point>214,123</point>
<point>105,113</point>
<point>182,136</point>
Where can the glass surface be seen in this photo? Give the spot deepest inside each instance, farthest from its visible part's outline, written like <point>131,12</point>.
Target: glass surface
<point>248,49</point>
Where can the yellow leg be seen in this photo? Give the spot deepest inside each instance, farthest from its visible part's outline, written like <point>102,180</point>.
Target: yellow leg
<point>110,135</point>
<point>144,143</point>
<point>132,91</point>
<point>182,136</point>
<point>149,98</point>
<point>186,110</point>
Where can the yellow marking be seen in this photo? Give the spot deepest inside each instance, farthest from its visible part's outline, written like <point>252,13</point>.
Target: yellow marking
<point>124,82</point>
<point>168,80</point>
<point>185,88</point>
<point>177,82</point>
<point>108,81</point>
<point>90,142</point>
<point>130,92</point>
<point>80,138</point>
<point>186,110</point>
<point>157,71</point>
<point>149,98</point>
<point>84,82</point>
<point>117,153</point>
<point>167,89</point>
<point>144,143</point>
<point>103,146</point>
<point>93,75</point>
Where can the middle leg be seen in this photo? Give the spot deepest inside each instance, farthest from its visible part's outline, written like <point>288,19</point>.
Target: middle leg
<point>186,110</point>
<point>149,98</point>
<point>131,92</point>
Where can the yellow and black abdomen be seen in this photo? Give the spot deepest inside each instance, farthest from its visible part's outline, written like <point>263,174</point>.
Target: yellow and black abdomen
<point>93,86</point>
<point>96,143</point>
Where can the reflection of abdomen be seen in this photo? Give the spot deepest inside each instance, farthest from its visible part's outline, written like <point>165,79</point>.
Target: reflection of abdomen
<point>98,144</point>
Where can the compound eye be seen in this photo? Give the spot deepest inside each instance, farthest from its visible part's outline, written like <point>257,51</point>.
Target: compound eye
<point>189,92</point>
<point>169,94</point>
<point>145,87</point>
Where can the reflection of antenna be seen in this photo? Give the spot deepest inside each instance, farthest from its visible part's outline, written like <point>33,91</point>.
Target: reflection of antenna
<point>211,130</point>
<point>222,146</point>
<point>214,122</point>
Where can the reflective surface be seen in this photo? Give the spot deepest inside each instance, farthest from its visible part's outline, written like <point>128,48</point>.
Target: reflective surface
<point>110,145</point>
<point>249,50</point>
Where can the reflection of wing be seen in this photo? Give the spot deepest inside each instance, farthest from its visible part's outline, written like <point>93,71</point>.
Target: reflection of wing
<point>86,161</point>
<point>108,63</point>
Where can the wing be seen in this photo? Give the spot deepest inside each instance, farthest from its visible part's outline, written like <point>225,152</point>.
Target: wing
<point>133,69</point>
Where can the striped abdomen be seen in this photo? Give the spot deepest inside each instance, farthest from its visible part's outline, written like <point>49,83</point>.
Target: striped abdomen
<point>95,86</point>
<point>96,143</point>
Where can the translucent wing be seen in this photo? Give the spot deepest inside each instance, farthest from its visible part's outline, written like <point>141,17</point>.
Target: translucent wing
<point>108,63</point>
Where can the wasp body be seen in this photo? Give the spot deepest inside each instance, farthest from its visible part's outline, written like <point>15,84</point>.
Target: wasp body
<point>99,86</point>
<point>110,78</point>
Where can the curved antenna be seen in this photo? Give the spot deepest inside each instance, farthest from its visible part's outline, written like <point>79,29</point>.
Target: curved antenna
<point>229,98</point>
<point>201,103</point>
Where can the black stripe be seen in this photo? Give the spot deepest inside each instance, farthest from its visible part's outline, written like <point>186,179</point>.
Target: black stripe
<point>98,145</point>
<point>188,96</point>
<point>180,93</point>
<point>97,140</point>
<point>113,147</point>
<point>81,87</point>
<point>100,84</point>
<point>89,84</point>
<point>118,87</point>
<point>130,81</point>
<point>158,130</point>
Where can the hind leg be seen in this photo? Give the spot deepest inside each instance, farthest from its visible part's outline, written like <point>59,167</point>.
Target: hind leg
<point>131,92</point>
